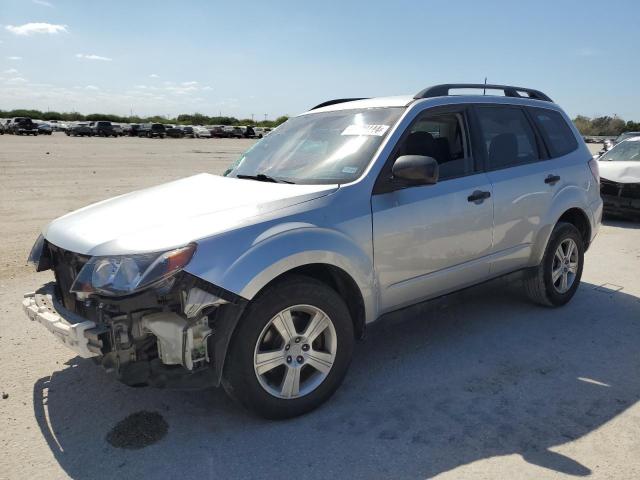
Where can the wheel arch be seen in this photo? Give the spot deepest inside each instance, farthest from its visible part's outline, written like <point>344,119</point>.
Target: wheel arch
<point>574,215</point>
<point>578,218</point>
<point>340,281</point>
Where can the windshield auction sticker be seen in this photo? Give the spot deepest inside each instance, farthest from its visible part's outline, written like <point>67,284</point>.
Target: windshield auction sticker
<point>368,130</point>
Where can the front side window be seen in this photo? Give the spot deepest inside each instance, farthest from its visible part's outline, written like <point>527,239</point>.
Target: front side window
<point>557,134</point>
<point>507,136</point>
<point>442,137</point>
<point>319,148</point>
<point>628,151</point>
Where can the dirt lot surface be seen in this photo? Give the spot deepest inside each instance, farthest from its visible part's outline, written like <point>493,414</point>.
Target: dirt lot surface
<point>482,384</point>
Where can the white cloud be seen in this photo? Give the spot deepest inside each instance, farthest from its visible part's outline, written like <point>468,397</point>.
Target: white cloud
<point>36,27</point>
<point>93,57</point>
<point>91,87</point>
<point>154,75</point>
<point>141,87</point>
<point>44,3</point>
<point>189,84</point>
<point>16,80</point>
<point>14,58</point>
<point>11,71</point>
<point>207,88</point>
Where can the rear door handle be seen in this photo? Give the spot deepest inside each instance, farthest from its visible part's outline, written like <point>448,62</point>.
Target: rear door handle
<point>551,179</point>
<point>478,196</point>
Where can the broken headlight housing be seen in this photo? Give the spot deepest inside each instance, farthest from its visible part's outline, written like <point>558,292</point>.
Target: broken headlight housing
<point>36,252</point>
<point>127,274</point>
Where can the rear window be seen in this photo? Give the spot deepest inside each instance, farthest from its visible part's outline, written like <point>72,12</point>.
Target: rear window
<point>556,133</point>
<point>508,137</point>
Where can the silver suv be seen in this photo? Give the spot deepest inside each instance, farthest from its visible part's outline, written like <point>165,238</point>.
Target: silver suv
<point>261,279</point>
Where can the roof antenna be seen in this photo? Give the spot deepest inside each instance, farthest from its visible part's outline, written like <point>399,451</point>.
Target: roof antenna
<point>484,91</point>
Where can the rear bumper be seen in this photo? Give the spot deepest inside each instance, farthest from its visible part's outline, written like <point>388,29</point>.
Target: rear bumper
<point>70,329</point>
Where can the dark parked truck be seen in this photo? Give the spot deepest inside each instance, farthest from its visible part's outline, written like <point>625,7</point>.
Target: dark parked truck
<point>103,129</point>
<point>22,126</point>
<point>152,130</point>
<point>79,130</point>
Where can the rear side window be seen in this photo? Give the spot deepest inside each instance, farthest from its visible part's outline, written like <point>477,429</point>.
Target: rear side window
<point>507,136</point>
<point>557,134</point>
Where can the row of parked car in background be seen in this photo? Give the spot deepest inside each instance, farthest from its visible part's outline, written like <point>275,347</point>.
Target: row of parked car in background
<point>25,126</point>
<point>28,126</point>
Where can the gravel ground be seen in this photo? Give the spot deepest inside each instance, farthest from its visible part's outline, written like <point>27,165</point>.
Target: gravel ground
<point>482,384</point>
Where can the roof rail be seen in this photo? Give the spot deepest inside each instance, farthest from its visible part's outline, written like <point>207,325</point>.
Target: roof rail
<point>509,91</point>
<point>336,101</point>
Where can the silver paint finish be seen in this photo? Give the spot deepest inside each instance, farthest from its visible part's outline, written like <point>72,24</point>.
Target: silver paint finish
<point>173,214</point>
<point>427,240</point>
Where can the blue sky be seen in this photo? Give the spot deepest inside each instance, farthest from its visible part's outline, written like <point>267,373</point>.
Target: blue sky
<point>281,57</point>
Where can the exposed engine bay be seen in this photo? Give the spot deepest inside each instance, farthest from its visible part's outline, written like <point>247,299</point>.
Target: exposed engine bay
<point>173,334</point>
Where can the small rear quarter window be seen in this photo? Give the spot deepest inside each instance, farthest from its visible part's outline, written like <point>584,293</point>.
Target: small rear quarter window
<point>557,134</point>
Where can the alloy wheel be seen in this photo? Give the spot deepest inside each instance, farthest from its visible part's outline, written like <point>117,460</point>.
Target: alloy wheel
<point>565,265</point>
<point>295,351</point>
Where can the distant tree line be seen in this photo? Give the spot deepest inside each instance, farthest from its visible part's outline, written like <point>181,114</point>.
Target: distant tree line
<point>604,126</point>
<point>183,119</point>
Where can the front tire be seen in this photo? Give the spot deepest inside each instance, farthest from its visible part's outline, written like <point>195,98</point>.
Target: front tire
<point>554,282</point>
<point>291,349</point>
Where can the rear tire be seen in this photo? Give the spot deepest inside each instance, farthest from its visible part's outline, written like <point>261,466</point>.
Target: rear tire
<point>554,282</point>
<point>282,321</point>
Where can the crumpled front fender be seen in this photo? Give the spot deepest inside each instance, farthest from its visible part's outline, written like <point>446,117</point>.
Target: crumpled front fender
<point>247,263</point>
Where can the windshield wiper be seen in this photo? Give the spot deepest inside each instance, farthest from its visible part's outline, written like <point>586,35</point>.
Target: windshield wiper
<point>261,177</point>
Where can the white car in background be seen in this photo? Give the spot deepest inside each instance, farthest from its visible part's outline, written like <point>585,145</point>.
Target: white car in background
<point>260,131</point>
<point>201,132</point>
<point>620,178</point>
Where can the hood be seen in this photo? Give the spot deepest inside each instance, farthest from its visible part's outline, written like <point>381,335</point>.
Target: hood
<point>620,172</point>
<point>173,214</point>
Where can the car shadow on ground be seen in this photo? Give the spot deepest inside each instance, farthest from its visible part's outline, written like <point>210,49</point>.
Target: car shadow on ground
<point>620,222</point>
<point>478,374</point>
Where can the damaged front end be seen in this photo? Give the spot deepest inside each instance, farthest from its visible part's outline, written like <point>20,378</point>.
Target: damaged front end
<point>621,199</point>
<point>140,316</point>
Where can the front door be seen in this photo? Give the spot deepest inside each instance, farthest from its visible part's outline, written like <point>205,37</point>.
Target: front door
<point>432,239</point>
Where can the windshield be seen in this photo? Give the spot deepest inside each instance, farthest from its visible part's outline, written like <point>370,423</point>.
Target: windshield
<point>628,151</point>
<point>624,136</point>
<point>329,147</point>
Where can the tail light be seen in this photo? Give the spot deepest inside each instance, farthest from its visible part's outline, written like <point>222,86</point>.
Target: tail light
<point>595,169</point>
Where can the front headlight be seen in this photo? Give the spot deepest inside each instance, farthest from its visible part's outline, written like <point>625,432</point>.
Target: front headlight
<point>126,274</point>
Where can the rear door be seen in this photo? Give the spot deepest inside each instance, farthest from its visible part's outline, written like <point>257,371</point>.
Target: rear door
<point>432,239</point>
<point>524,178</point>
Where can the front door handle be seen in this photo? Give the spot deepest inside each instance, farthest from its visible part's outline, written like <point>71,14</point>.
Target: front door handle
<point>478,196</point>
<point>552,179</point>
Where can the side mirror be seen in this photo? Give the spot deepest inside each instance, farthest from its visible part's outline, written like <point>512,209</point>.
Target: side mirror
<point>415,170</point>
